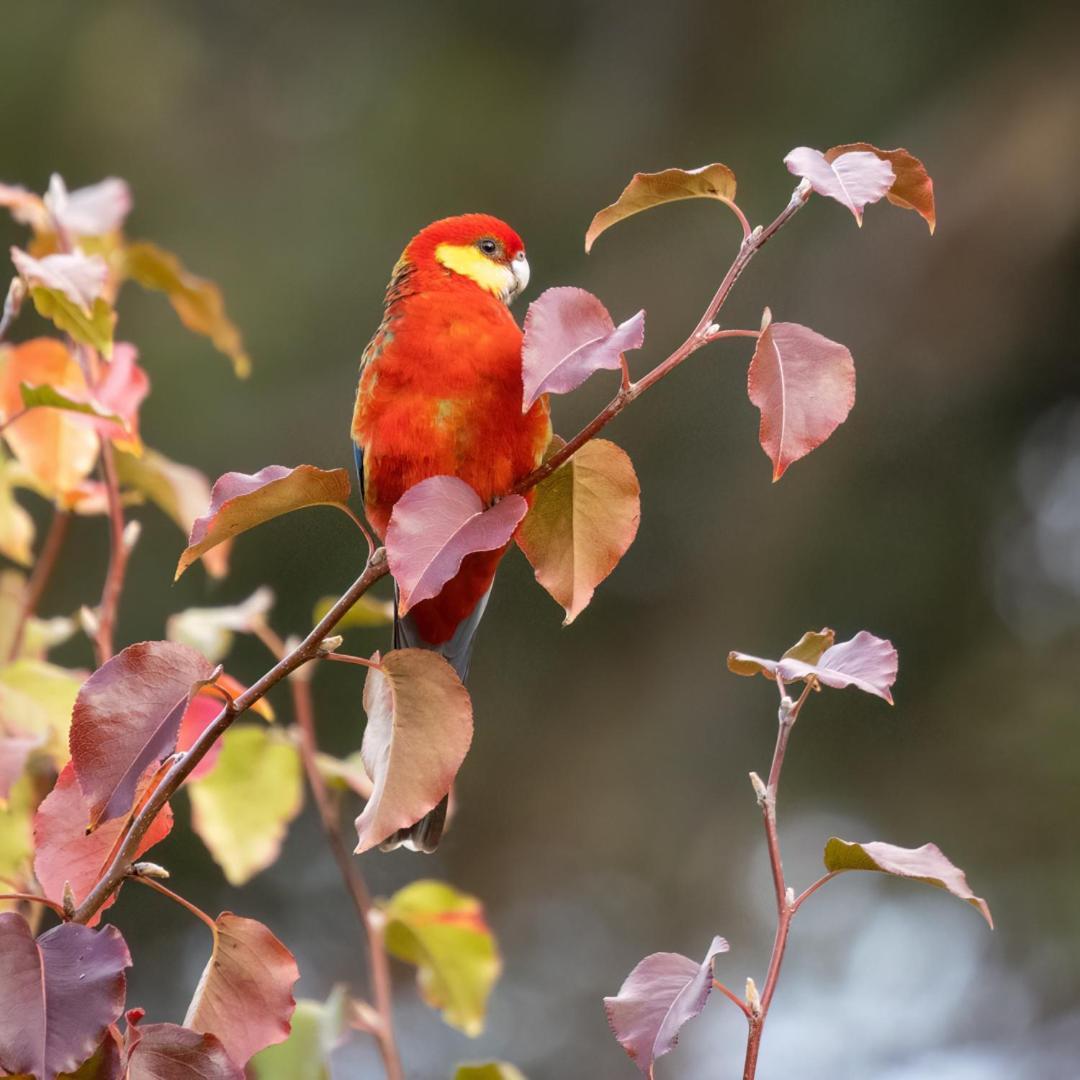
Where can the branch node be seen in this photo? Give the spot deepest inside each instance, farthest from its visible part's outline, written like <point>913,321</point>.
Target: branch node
<point>789,897</point>
<point>753,999</point>
<point>330,644</point>
<point>132,532</point>
<point>69,904</point>
<point>760,791</point>
<point>149,870</point>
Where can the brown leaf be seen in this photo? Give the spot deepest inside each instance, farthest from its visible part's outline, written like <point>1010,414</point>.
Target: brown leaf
<point>912,188</point>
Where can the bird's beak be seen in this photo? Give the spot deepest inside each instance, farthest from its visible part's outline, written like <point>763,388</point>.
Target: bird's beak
<point>520,268</point>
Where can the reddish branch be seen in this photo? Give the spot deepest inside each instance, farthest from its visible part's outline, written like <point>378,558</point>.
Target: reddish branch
<point>118,556</point>
<point>39,578</point>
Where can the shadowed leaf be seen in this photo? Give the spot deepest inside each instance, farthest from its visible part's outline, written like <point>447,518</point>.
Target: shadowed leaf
<point>926,864</point>
<point>584,518</point>
<point>658,997</point>
<point>171,1052</point>
<point>240,501</point>
<point>866,662</point>
<point>569,335</point>
<point>444,933</point>
<point>345,774</point>
<point>912,187</point>
<point>647,190</point>
<point>804,385</point>
<point>853,179</point>
<point>317,1028</point>
<point>434,525</point>
<point>419,727</point>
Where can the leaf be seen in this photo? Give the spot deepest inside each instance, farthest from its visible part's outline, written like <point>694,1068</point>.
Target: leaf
<point>569,335</point>
<point>48,397</point>
<point>65,854</point>
<point>245,994</point>
<point>15,751</point>
<point>345,774</point>
<point>36,698</point>
<point>926,864</point>
<point>804,385</point>
<point>658,997</point>
<point>419,727</point>
<point>171,1052</point>
<point>647,190</point>
<point>491,1070</point>
<point>210,630</point>
<point>93,327</point>
<point>39,635</point>
<point>445,934</point>
<point>866,662</point>
<point>366,613</point>
<point>243,807</point>
<point>240,501</point>
<point>179,490</point>
<point>61,993</point>
<point>434,525</point>
<point>16,838</point>
<point>78,277</point>
<point>16,525</point>
<point>27,207</point>
<point>853,179</point>
<point>121,391</point>
<point>808,648</point>
<point>127,717</point>
<point>584,518</point>
<point>89,211</point>
<point>196,300</point>
<point>912,187</point>
<point>106,1062</point>
<point>317,1028</point>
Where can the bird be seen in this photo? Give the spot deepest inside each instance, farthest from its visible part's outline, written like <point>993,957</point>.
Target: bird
<point>440,394</point>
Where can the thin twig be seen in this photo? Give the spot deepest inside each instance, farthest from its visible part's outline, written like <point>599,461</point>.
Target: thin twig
<point>118,556</point>
<point>39,577</point>
<point>33,898</point>
<point>810,890</point>
<point>732,997</point>
<point>345,658</point>
<point>177,898</point>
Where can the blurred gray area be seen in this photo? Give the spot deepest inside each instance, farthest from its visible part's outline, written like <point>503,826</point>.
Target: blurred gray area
<point>290,151</point>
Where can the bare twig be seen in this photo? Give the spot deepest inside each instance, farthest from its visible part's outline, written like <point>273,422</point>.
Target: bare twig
<point>39,578</point>
<point>118,556</point>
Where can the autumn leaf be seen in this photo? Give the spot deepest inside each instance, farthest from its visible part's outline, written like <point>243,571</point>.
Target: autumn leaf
<point>444,933</point>
<point>647,190</point>
<point>434,525</point>
<point>127,717</point>
<point>245,994</point>
<point>419,727</point>
<point>240,501</point>
<point>804,385</point>
<point>93,327</point>
<point>317,1028</point>
<point>853,179</point>
<point>90,211</point>
<point>927,864</point>
<point>912,187</point>
<point>242,808</point>
<point>808,649</point>
<point>661,994</point>
<point>16,835</point>
<point>569,335</point>
<point>490,1070</point>
<point>211,630</point>
<point>172,1052</point>
<point>77,276</point>
<point>367,612</point>
<point>36,698</point>
<point>39,635</point>
<point>584,518</point>
<point>16,525</point>
<point>61,993</point>
<point>203,710</point>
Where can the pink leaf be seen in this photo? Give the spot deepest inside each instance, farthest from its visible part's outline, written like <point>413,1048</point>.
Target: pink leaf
<point>569,335</point>
<point>61,993</point>
<point>122,390</point>
<point>89,211</point>
<point>854,179</point>
<point>434,525</point>
<point>171,1052</point>
<point>804,385</point>
<point>15,749</point>
<point>912,189</point>
<point>658,997</point>
<point>81,278</point>
<point>419,727</point>
<point>127,717</point>
<point>866,662</point>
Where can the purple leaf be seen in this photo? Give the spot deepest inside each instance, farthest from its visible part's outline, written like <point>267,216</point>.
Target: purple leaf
<point>854,179</point>
<point>60,994</point>
<point>866,662</point>
<point>569,335</point>
<point>661,994</point>
<point>81,278</point>
<point>171,1052</point>
<point>434,525</point>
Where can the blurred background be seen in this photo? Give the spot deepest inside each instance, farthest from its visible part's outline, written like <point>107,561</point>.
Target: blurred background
<point>290,151</point>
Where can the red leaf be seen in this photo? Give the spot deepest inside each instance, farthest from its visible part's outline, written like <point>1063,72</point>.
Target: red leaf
<point>240,501</point>
<point>418,732</point>
<point>912,189</point>
<point>804,385</point>
<point>61,993</point>
<point>245,994</point>
<point>658,997</point>
<point>65,853</point>
<point>568,336</point>
<point>434,525</point>
<point>171,1052</point>
<point>127,717</point>
<point>853,179</point>
<point>866,662</point>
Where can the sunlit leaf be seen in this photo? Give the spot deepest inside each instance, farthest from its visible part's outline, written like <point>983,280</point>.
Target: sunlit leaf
<point>804,385</point>
<point>808,648</point>
<point>93,327</point>
<point>16,835</point>
<point>127,717</point>
<point>569,335</point>
<point>245,994</point>
<point>78,277</point>
<point>61,992</point>
<point>48,397</point>
<point>912,187</point>
<point>89,211</point>
<point>171,1052</point>
<point>658,997</point>
<point>646,190</point>
<point>36,698</point>
<point>196,300</point>
<point>366,613</point>
<point>853,179</point>
<point>926,864</point>
<point>419,727</point>
<point>491,1070</point>
<point>317,1028</point>
<point>15,751</point>
<point>242,808</point>
<point>584,518</point>
<point>445,934</point>
<point>39,635</point>
<point>240,501</point>
<point>866,662</point>
<point>210,630</point>
<point>16,524</point>
<point>27,207</point>
<point>434,526</point>
<point>121,390</point>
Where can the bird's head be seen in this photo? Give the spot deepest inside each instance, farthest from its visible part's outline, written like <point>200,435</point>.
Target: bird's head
<point>477,247</point>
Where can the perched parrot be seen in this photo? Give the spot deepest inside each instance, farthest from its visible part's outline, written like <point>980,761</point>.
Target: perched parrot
<point>440,394</point>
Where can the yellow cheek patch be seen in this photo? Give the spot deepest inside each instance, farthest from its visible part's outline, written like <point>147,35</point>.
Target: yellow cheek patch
<point>466,260</point>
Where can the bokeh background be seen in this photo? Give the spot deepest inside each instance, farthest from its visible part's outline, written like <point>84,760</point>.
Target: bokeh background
<point>290,151</point>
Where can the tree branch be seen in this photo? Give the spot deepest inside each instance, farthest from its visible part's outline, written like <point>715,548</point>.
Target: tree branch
<point>39,577</point>
<point>118,556</point>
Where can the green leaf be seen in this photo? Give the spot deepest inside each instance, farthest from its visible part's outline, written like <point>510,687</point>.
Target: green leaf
<point>491,1070</point>
<point>48,397</point>
<point>366,613</point>
<point>40,635</point>
<point>16,525</point>
<point>242,808</point>
<point>36,698</point>
<point>444,933</point>
<point>317,1028</point>
<point>16,838</point>
<point>811,645</point>
<point>93,328</point>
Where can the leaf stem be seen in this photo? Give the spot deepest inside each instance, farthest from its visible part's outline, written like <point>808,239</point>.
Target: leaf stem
<point>39,577</point>
<point>809,891</point>
<point>345,658</point>
<point>733,998</point>
<point>177,898</point>
<point>33,898</point>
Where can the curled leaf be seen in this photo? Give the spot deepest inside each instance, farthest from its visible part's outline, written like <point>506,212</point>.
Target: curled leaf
<point>912,187</point>
<point>866,662</point>
<point>853,179</point>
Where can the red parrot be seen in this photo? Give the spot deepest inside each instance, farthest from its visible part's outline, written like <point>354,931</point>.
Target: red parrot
<point>440,394</point>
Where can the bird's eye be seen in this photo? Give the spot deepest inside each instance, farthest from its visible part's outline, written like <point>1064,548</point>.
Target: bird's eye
<point>488,246</point>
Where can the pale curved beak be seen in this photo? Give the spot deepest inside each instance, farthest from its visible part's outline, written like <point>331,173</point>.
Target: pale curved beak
<point>520,268</point>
